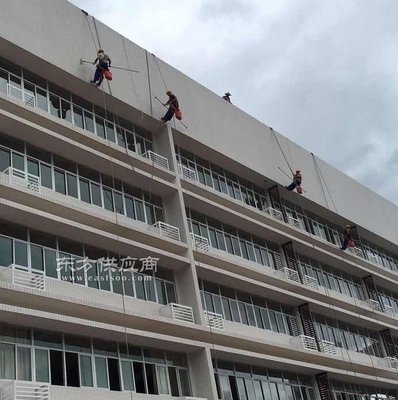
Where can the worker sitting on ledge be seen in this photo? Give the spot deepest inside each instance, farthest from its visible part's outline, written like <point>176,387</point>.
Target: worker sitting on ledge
<point>173,106</point>
<point>103,62</point>
<point>297,179</point>
<point>227,97</point>
<point>347,237</point>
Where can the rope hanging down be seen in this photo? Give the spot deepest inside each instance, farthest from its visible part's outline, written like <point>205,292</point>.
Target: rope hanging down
<point>283,153</point>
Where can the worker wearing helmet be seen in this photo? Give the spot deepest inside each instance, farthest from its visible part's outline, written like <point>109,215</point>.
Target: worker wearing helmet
<point>297,179</point>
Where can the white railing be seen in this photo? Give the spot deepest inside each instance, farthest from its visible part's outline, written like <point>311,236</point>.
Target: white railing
<point>328,347</point>
<point>391,362</point>
<point>214,320</point>
<point>156,159</point>
<point>356,251</point>
<point>390,311</point>
<point>200,242</point>
<point>178,312</point>
<point>290,274</point>
<point>167,230</point>
<point>23,178</point>
<point>274,213</point>
<point>21,95</point>
<point>27,279</point>
<point>296,223</point>
<point>310,281</point>
<point>304,342</point>
<point>21,390</point>
<point>187,173</point>
<point>372,304</point>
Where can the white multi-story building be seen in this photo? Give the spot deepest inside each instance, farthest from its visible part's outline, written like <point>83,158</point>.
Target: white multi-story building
<point>239,289</point>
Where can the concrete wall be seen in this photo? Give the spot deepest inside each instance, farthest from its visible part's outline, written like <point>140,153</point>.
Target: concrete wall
<point>58,32</point>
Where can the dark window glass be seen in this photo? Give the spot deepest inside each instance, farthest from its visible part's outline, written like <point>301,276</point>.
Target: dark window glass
<point>56,368</point>
<point>139,209</point>
<point>130,212</point>
<point>119,203</point>
<point>78,117</point>
<point>92,276</point>
<point>33,167</point>
<point>227,311</point>
<point>50,259</point>
<point>84,190</point>
<point>88,119</point>
<point>5,159</point>
<point>173,381</point>
<point>59,182</point>
<point>5,251</point>
<point>151,378</point>
<point>3,81</point>
<point>108,199</point>
<point>66,112</point>
<point>55,106</point>
<point>99,123</point>
<point>150,215</point>
<point>72,185</point>
<point>46,176</point>
<point>105,283</point>
<point>18,161</point>
<point>139,377</point>
<point>72,369</point>
<point>171,295</point>
<point>121,140</point>
<point>96,194</point>
<point>110,132</point>
<point>36,256</point>
<point>139,286</point>
<point>21,254</point>
<point>113,372</point>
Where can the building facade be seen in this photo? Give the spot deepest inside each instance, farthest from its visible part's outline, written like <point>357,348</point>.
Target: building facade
<point>147,260</point>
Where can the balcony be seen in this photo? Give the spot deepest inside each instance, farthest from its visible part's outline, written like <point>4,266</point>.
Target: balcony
<point>200,242</point>
<point>290,274</point>
<point>295,223</point>
<point>390,362</point>
<point>214,320</point>
<point>21,390</point>
<point>274,213</point>
<point>304,342</point>
<point>311,282</point>
<point>157,159</point>
<point>18,277</point>
<point>166,230</point>
<point>21,95</point>
<point>178,312</point>
<point>372,304</point>
<point>187,173</point>
<point>328,348</point>
<point>23,178</point>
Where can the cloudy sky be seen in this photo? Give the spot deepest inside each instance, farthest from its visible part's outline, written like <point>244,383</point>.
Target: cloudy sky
<point>323,73</point>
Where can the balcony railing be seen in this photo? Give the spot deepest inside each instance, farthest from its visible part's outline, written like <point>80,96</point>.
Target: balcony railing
<point>304,342</point>
<point>296,223</point>
<point>328,347</point>
<point>390,311</point>
<point>187,173</point>
<point>200,242</point>
<point>310,281</point>
<point>23,178</point>
<point>214,320</point>
<point>19,277</point>
<point>372,304</point>
<point>290,274</point>
<point>157,159</point>
<point>391,362</point>
<point>166,230</point>
<point>22,390</point>
<point>274,213</point>
<point>21,95</point>
<point>178,312</point>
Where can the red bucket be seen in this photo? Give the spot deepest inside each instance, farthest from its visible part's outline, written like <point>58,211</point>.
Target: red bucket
<point>178,115</point>
<point>108,75</point>
<point>351,243</point>
<point>299,190</point>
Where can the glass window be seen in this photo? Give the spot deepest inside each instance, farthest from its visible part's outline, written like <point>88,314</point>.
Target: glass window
<point>127,375</point>
<point>171,294</point>
<point>66,112</point>
<point>18,161</point>
<point>7,361</point>
<point>110,132</point>
<point>108,199</point>
<point>130,212</point>
<point>36,257</point>
<point>59,181</point>
<point>3,81</point>
<point>150,215</point>
<point>96,194</point>
<point>86,371</point>
<point>46,176</point>
<point>41,99</point>
<point>119,203</point>
<point>72,185</point>
<point>88,120</point>
<point>24,364</point>
<point>55,106</point>
<point>99,124</point>
<point>5,159</point>
<point>84,190</point>
<point>42,366</point>
<point>78,117</point>
<point>21,254</point>
<point>139,209</point>
<point>101,372</point>
<point>5,251</point>
<point>184,382</point>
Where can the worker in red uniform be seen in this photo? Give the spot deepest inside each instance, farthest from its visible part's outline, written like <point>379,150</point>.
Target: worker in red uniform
<point>173,106</point>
